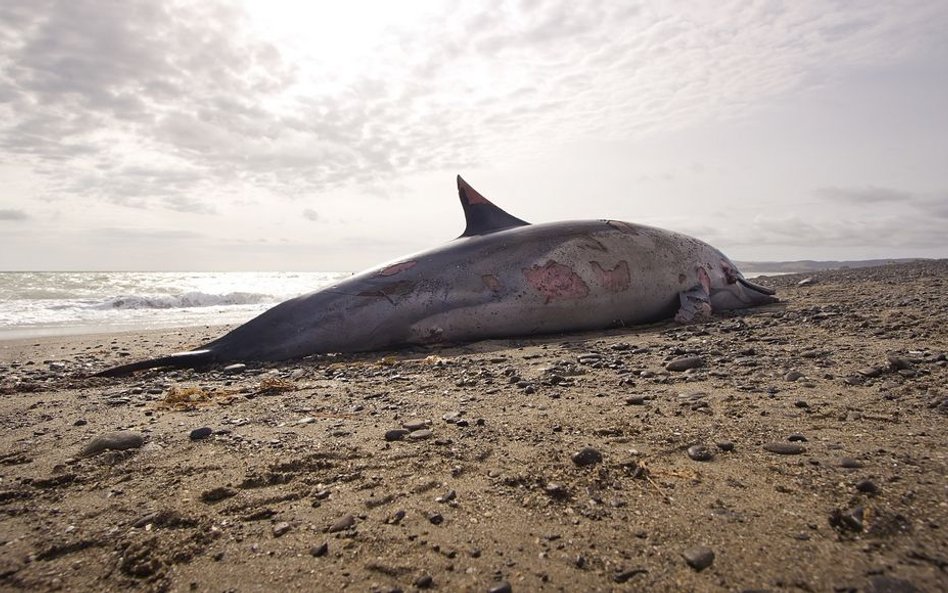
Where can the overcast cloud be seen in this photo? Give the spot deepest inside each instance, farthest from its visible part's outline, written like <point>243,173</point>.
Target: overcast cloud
<point>781,129</point>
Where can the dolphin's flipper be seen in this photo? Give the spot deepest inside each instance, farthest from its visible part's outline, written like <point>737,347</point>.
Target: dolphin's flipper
<point>180,360</point>
<point>695,305</point>
<point>481,215</point>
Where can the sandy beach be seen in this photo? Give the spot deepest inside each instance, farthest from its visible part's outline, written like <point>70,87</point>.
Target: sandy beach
<point>800,446</point>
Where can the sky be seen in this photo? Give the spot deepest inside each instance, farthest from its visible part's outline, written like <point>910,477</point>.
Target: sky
<point>326,136</point>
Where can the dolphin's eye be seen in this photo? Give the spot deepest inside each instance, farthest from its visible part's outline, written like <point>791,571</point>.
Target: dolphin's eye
<point>729,273</point>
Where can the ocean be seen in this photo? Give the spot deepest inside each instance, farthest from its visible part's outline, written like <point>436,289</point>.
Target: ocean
<point>61,303</point>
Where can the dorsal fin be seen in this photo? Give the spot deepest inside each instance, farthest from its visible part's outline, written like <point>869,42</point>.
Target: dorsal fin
<point>482,216</point>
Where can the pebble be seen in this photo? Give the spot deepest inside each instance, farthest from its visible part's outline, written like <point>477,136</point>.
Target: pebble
<point>435,518</point>
<point>396,434</point>
<point>501,587</point>
<point>699,557</point>
<point>425,581</point>
<point>700,453</point>
<point>785,448</point>
<point>343,523</point>
<point>724,445</point>
<point>623,576</point>
<point>237,367</point>
<point>884,584</point>
<point>793,376</point>
<point>319,551</point>
<point>867,487</point>
<point>636,400</point>
<point>587,456</point>
<point>201,433</point>
<point>806,282</point>
<point>797,438</point>
<point>413,425</point>
<point>420,435</point>
<point>849,463</point>
<point>217,494</point>
<point>115,441</point>
<point>280,528</point>
<point>684,363</point>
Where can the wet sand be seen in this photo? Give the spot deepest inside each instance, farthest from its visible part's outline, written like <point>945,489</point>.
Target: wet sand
<point>803,447</point>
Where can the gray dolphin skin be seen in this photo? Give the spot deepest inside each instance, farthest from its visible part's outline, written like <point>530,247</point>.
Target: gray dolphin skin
<point>503,277</point>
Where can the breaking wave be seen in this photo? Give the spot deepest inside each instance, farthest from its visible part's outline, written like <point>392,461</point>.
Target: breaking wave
<point>183,301</point>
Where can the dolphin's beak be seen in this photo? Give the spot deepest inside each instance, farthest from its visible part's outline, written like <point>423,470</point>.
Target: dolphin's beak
<point>757,287</point>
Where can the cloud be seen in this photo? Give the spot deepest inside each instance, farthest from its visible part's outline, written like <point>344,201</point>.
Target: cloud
<point>864,195</point>
<point>174,105</point>
<point>8,214</point>
<point>310,214</point>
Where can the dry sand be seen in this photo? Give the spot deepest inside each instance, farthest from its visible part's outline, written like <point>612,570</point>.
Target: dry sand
<point>305,481</point>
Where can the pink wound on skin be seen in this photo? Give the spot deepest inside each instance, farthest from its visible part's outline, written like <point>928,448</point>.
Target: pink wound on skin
<point>556,281</point>
<point>397,268</point>
<point>491,282</point>
<point>615,280</point>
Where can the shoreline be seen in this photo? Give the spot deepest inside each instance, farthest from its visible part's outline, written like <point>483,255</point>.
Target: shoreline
<point>802,449</point>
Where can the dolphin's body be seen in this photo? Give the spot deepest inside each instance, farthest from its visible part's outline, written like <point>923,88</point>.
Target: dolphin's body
<point>503,277</point>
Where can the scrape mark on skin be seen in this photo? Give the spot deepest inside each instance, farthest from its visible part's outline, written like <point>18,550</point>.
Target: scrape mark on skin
<point>704,279</point>
<point>622,226</point>
<point>591,242</point>
<point>396,289</point>
<point>491,282</point>
<point>397,268</point>
<point>556,281</point>
<point>615,280</point>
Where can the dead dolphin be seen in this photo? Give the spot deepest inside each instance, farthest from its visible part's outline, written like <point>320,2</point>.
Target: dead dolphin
<point>502,277</point>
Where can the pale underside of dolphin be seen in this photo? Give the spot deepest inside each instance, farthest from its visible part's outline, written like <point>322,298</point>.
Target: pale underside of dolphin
<point>503,277</point>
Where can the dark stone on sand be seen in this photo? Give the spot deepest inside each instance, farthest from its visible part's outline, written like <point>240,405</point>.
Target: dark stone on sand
<point>217,494</point>
<point>113,441</point>
<point>700,453</point>
<point>420,435</point>
<point>698,557</point>
<point>425,581</point>
<point>413,425</point>
<point>785,448</point>
<point>847,520</point>
<point>235,368</point>
<point>635,400</point>
<point>396,434</point>
<point>797,438</point>
<point>886,584</point>
<point>867,487</point>
<point>435,518</point>
<point>684,363</point>
<point>501,587</point>
<point>850,463</point>
<point>343,523</point>
<point>319,551</point>
<point>793,376</point>
<point>201,433</point>
<point>587,456</point>
<point>725,445</point>
<point>623,576</point>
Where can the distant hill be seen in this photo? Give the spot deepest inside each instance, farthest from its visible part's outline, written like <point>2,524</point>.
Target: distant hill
<point>804,266</point>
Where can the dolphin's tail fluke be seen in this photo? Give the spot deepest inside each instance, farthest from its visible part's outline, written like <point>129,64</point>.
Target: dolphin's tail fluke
<point>179,360</point>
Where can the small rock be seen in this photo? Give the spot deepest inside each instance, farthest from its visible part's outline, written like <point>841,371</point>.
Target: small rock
<point>849,463</point>
<point>237,367</point>
<point>280,528</point>
<point>884,584</point>
<point>501,587</point>
<point>435,518</point>
<point>343,523</point>
<point>867,487</point>
<point>420,435</point>
<point>623,576</point>
<point>847,520</point>
<point>412,425</point>
<point>201,433</point>
<point>217,494</point>
<point>724,445</point>
<point>684,363</point>
<point>396,434</point>
<point>797,438</point>
<point>699,557</point>
<point>793,376</point>
<point>115,441</point>
<point>806,282</point>
<point>636,400</point>
<point>700,453</point>
<point>425,581</point>
<point>587,456</point>
<point>899,363</point>
<point>785,448</point>
<point>447,496</point>
<point>319,551</point>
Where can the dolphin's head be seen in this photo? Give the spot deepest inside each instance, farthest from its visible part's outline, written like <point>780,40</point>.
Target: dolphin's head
<point>730,290</point>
